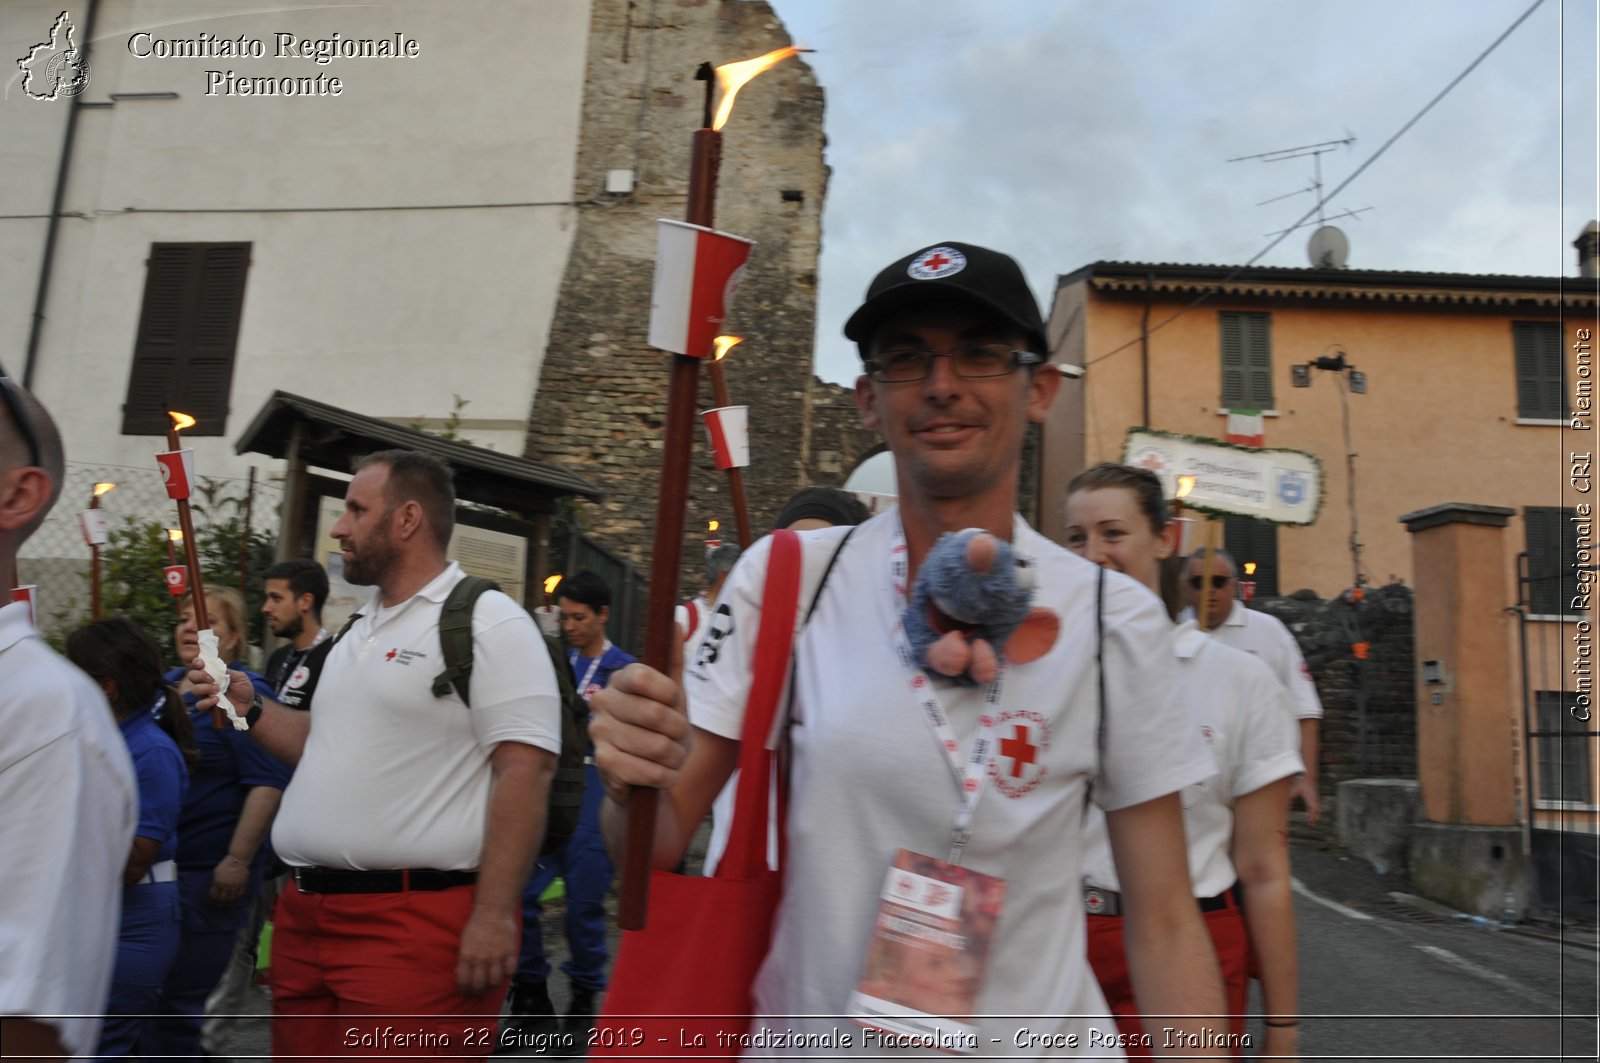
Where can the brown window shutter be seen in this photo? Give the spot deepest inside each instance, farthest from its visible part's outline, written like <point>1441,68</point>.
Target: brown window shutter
<point>187,338</point>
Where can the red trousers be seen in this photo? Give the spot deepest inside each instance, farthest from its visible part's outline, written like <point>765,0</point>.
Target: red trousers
<point>374,975</point>
<point>1110,964</point>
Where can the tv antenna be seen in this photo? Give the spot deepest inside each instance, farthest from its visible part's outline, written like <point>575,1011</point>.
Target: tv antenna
<point>1328,245</point>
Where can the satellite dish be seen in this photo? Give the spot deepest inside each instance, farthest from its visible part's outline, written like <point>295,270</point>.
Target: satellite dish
<point>1329,248</point>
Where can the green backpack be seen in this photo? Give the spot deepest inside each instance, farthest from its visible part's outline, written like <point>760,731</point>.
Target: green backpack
<point>455,640</point>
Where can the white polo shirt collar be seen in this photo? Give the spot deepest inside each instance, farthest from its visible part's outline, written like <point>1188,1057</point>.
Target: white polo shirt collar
<point>1188,639</point>
<point>436,590</point>
<point>14,625</point>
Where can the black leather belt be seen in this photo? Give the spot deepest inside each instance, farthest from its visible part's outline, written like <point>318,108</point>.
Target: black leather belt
<point>1097,901</point>
<point>335,880</point>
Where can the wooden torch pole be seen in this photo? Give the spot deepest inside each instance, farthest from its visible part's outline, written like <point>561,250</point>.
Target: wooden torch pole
<point>666,556</point>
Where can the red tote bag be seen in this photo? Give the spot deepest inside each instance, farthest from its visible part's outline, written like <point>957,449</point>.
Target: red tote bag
<point>683,986</point>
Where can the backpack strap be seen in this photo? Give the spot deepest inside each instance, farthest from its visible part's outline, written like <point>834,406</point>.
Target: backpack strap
<point>455,636</point>
<point>348,624</point>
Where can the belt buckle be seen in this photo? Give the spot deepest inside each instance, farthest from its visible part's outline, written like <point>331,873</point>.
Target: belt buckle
<point>299,873</point>
<point>1094,901</point>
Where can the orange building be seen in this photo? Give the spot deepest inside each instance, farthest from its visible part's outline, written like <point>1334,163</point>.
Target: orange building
<point>1478,391</point>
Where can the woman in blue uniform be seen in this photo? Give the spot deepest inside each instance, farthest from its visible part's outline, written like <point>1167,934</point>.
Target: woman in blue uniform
<point>126,662</point>
<point>222,834</point>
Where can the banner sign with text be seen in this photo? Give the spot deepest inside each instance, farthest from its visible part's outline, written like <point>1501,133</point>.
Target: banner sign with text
<point>1280,486</point>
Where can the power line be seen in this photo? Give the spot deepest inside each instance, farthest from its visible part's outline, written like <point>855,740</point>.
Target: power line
<point>1359,170</point>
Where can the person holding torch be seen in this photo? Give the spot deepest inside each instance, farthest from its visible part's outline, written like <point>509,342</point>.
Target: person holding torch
<point>954,371</point>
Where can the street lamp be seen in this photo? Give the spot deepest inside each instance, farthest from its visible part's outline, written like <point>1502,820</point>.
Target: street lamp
<point>1350,379</point>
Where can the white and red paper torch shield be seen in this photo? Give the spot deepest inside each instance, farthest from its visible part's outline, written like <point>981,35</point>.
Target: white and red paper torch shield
<point>177,472</point>
<point>28,592</point>
<point>728,428</point>
<point>96,527</point>
<point>177,577</point>
<point>697,273</point>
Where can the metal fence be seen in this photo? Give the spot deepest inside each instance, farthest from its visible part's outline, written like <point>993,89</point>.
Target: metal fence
<point>56,558</point>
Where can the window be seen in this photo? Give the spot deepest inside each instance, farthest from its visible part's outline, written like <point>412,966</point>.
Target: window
<point>188,331</point>
<point>1541,376</point>
<point>1563,748</point>
<point>1246,360</point>
<point>1248,540</point>
<point>1552,552</point>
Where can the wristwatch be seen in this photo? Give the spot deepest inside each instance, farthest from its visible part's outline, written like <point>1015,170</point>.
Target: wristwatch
<point>254,712</point>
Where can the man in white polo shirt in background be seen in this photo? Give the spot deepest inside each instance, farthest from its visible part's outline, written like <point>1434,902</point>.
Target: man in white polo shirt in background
<point>413,819</point>
<point>68,805</point>
<point>1264,636</point>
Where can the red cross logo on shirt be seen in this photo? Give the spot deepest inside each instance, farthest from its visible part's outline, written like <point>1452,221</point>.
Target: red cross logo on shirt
<point>1028,750</point>
<point>390,655</point>
<point>1019,749</point>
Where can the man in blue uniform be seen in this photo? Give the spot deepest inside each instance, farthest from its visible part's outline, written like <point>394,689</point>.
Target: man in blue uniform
<point>585,604</point>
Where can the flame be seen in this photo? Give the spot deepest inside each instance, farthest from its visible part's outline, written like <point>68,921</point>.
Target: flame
<point>724,344</point>
<point>1185,485</point>
<point>1249,568</point>
<point>713,525</point>
<point>175,535</point>
<point>180,421</point>
<point>731,77</point>
<point>551,583</point>
<point>102,488</point>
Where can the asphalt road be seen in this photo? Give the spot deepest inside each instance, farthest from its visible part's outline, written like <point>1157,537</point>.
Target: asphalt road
<point>1381,978</point>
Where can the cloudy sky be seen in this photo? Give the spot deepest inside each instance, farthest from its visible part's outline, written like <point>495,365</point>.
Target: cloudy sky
<point>1071,131</point>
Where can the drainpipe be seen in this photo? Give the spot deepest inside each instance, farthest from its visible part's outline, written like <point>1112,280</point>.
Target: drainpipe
<point>63,170</point>
<point>1144,343</point>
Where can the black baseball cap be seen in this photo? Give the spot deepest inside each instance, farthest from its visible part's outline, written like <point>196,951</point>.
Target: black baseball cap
<point>964,271</point>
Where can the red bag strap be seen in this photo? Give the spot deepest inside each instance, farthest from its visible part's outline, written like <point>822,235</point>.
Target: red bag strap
<point>780,604</point>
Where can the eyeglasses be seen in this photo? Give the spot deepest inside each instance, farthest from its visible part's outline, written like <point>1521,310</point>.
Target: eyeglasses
<point>11,395</point>
<point>970,363</point>
<point>1217,582</point>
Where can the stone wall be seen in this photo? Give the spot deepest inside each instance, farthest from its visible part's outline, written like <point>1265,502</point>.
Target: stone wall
<point>1324,632</point>
<point>838,440</point>
<point>601,401</point>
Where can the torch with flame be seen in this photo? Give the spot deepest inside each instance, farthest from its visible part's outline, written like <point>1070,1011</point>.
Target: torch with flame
<point>677,445</point>
<point>731,77</point>
<point>719,389</point>
<point>96,530</point>
<point>177,469</point>
<point>1184,525</point>
<point>548,615</point>
<point>1247,586</point>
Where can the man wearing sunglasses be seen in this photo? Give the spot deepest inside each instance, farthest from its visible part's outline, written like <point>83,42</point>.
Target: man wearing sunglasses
<point>1265,636</point>
<point>888,759</point>
<point>66,787</point>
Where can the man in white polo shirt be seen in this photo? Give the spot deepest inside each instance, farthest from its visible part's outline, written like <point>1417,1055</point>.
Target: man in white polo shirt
<point>68,804</point>
<point>412,820</point>
<point>1264,636</point>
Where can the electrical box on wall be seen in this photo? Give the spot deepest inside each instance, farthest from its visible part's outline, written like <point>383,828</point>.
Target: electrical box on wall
<point>1433,672</point>
<point>619,182</point>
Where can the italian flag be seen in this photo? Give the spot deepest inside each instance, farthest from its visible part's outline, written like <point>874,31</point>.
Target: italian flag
<point>1245,428</point>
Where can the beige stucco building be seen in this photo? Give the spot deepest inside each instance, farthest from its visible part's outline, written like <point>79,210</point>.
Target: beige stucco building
<point>1478,402</point>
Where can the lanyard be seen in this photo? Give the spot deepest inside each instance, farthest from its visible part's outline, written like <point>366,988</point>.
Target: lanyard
<point>292,660</point>
<point>572,661</point>
<point>969,775</point>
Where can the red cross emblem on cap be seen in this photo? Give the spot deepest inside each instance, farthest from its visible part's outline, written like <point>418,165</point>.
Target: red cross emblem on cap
<point>936,263</point>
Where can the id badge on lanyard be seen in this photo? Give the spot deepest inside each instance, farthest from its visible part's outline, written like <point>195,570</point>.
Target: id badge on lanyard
<point>936,919</point>
<point>584,690</point>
